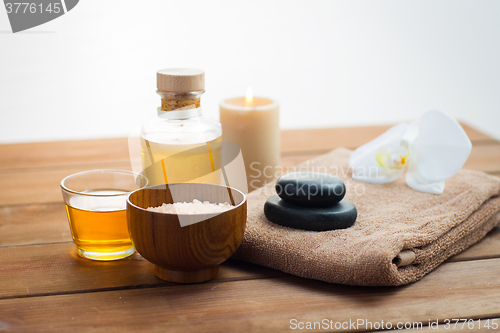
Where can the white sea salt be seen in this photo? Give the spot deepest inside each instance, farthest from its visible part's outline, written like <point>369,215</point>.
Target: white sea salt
<point>195,207</point>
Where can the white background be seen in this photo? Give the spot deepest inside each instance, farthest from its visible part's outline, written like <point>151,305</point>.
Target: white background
<point>91,72</point>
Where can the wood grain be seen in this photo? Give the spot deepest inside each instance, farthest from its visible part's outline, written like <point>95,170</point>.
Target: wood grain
<point>63,153</point>
<point>47,223</point>
<point>43,186</point>
<point>46,287</point>
<point>56,269</point>
<point>34,224</point>
<point>476,136</point>
<point>102,151</point>
<point>60,271</point>
<point>35,186</point>
<point>472,289</point>
<point>324,139</point>
<point>484,158</point>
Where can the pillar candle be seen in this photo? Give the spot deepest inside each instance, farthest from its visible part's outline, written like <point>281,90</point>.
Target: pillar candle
<point>253,124</point>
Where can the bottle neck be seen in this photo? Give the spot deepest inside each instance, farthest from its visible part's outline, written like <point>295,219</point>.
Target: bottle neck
<point>171,101</point>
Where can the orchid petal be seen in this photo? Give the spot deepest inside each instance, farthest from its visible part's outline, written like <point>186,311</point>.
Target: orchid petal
<point>441,147</point>
<point>416,182</point>
<point>374,163</point>
<point>412,131</point>
<point>435,147</point>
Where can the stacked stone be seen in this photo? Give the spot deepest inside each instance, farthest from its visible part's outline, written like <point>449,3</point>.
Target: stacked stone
<point>310,201</point>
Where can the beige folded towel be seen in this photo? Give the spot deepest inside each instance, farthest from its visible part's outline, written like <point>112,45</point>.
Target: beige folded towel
<point>399,236</point>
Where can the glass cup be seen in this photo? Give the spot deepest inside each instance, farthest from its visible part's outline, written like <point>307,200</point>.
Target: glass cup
<point>96,204</point>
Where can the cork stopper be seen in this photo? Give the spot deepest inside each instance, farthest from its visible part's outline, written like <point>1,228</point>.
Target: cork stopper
<point>180,80</point>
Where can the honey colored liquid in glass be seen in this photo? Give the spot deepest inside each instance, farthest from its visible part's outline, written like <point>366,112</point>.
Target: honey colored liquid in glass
<point>182,163</point>
<point>102,231</point>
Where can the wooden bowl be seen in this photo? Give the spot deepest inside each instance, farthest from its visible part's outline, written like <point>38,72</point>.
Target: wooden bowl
<point>191,253</point>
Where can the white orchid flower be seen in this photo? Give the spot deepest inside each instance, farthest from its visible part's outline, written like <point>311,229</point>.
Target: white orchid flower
<point>434,147</point>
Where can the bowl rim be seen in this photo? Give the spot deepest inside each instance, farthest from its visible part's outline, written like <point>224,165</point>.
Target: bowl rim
<point>214,213</point>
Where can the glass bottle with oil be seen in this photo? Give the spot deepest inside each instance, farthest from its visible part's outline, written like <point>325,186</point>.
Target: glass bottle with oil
<point>180,145</point>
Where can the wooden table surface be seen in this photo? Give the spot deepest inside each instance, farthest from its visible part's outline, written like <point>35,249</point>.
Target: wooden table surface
<point>45,287</point>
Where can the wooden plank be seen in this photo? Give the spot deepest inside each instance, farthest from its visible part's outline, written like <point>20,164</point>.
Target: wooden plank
<point>43,186</point>
<point>34,224</point>
<point>59,266</point>
<point>17,262</point>
<point>476,136</point>
<point>40,271</point>
<point>37,187</point>
<point>57,269</point>
<point>67,153</point>
<point>103,151</point>
<point>60,270</point>
<point>47,223</point>
<point>472,290</point>
<point>484,158</point>
<point>34,187</point>
<point>325,139</point>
